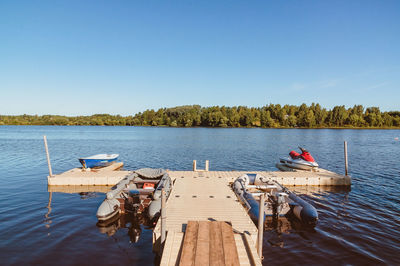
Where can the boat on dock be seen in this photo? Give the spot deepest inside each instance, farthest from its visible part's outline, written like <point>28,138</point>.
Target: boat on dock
<point>303,161</point>
<point>98,160</point>
<point>137,193</point>
<point>280,201</point>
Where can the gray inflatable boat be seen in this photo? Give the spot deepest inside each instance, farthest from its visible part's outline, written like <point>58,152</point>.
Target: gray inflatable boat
<point>249,187</point>
<point>133,193</point>
<point>155,206</point>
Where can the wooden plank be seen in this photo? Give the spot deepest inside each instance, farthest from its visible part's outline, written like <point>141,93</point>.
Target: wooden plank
<point>216,245</point>
<point>203,244</point>
<point>189,244</point>
<point>230,251</point>
<point>251,251</point>
<point>167,249</point>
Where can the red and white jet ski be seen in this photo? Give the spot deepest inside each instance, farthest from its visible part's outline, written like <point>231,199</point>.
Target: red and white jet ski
<point>303,161</point>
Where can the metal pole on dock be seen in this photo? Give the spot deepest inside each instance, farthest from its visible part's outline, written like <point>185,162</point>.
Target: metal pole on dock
<point>346,162</point>
<point>260,225</point>
<point>163,217</point>
<point>47,155</point>
<point>194,165</point>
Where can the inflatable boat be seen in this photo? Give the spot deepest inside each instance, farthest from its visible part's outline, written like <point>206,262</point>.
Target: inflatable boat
<point>134,193</point>
<point>303,161</point>
<point>279,200</point>
<point>154,210</point>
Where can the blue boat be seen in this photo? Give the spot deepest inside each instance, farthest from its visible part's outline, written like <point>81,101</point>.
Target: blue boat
<point>98,160</point>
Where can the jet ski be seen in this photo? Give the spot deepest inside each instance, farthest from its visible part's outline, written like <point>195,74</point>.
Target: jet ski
<point>303,161</point>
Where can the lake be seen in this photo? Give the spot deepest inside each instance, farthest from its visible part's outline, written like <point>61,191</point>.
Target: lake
<point>357,226</point>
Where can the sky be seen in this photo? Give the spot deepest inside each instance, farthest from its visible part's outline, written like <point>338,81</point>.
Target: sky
<point>123,57</point>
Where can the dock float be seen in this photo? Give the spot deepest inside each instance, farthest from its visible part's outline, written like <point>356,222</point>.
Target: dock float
<point>205,197</point>
<point>105,176</point>
<point>110,175</point>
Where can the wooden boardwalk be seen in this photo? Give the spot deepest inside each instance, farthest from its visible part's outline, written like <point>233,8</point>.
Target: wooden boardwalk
<point>205,196</point>
<point>209,243</point>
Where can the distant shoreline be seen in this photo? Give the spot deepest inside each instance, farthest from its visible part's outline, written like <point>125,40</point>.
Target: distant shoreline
<point>191,116</point>
<point>318,128</point>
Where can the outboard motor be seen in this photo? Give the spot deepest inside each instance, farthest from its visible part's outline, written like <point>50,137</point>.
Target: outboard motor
<point>277,200</point>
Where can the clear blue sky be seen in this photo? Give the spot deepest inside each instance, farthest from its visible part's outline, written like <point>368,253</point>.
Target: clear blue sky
<point>122,57</point>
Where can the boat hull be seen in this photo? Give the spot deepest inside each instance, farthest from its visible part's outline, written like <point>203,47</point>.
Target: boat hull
<point>298,164</point>
<point>90,163</point>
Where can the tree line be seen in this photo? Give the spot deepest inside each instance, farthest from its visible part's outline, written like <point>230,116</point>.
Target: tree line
<point>269,116</point>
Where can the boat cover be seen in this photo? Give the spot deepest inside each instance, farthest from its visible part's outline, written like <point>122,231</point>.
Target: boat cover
<point>150,173</point>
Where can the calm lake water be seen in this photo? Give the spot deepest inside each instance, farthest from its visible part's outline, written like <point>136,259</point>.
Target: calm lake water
<point>357,226</point>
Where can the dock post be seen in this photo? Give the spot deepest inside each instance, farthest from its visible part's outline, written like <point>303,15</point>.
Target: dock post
<point>346,162</point>
<point>47,155</point>
<point>194,166</point>
<point>260,234</point>
<point>207,165</point>
<point>163,218</point>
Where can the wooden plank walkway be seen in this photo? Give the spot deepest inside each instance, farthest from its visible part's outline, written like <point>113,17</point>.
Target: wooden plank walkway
<point>209,243</point>
<point>205,196</point>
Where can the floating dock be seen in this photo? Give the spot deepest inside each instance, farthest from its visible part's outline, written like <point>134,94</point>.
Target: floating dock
<point>105,176</point>
<point>201,196</point>
<point>205,197</point>
<point>205,222</point>
<point>111,175</point>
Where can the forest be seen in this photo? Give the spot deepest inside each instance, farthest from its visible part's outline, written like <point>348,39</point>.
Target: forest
<point>268,116</point>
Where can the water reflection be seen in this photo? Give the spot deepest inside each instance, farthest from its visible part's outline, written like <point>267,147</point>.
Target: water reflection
<point>47,215</point>
<point>319,191</point>
<point>277,229</point>
<point>132,221</point>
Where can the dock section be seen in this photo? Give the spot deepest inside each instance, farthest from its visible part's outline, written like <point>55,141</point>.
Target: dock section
<point>204,197</point>
<point>105,176</point>
<point>204,219</point>
<point>297,178</point>
<point>111,175</point>
<point>208,243</point>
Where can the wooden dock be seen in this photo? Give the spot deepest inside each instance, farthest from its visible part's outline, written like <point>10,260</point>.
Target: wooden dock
<point>209,242</point>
